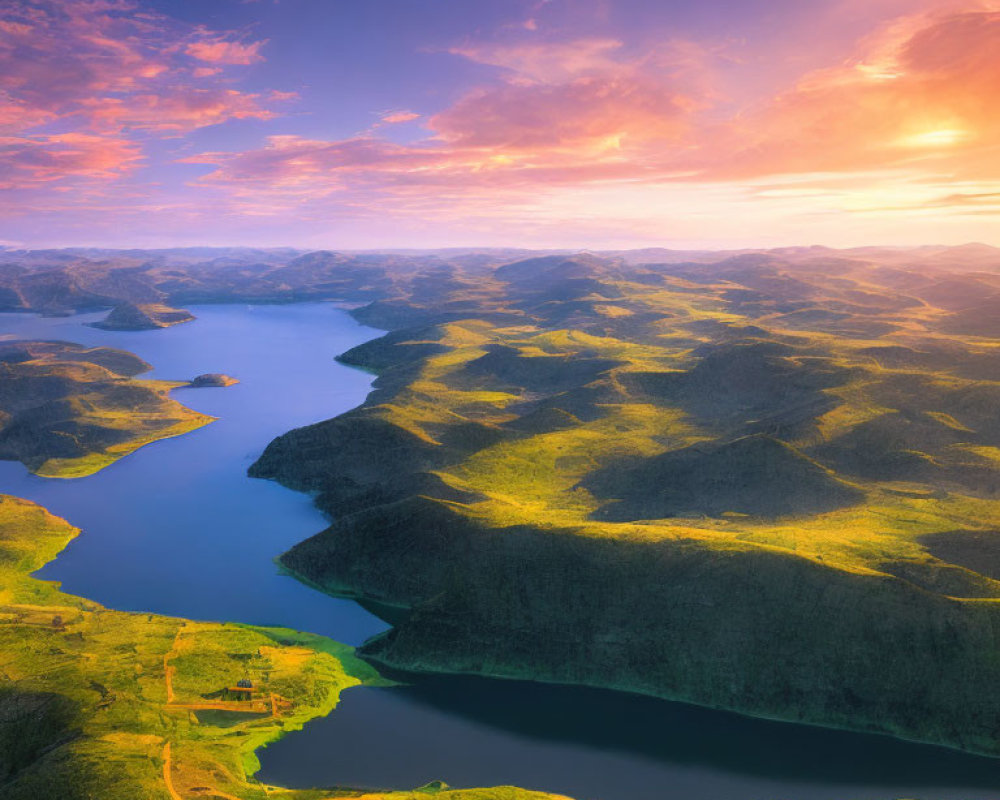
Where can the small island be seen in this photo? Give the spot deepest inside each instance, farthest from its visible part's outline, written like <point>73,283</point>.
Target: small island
<point>142,317</point>
<point>212,380</point>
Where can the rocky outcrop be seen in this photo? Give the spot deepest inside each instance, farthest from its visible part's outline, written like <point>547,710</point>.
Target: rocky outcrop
<point>212,380</point>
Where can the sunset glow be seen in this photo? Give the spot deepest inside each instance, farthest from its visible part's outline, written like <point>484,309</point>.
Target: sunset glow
<point>530,123</point>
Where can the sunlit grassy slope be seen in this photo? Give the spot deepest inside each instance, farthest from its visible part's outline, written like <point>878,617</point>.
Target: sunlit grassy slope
<point>67,411</point>
<point>523,415</point>
<point>97,703</point>
<point>716,483</point>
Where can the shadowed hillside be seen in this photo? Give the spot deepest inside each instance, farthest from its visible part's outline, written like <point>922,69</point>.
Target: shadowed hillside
<point>757,476</point>
<point>68,410</point>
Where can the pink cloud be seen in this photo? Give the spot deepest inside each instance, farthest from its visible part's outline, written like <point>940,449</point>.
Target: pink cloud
<point>589,94</point>
<point>101,68</point>
<point>177,111</point>
<point>594,113</point>
<point>546,61</point>
<point>561,113</point>
<point>57,52</point>
<point>29,161</point>
<point>596,128</point>
<point>82,58</point>
<point>16,116</point>
<point>601,112</point>
<point>222,51</point>
<point>292,163</point>
<point>397,117</point>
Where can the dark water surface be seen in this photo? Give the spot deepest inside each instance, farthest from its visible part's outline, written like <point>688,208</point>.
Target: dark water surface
<point>178,528</point>
<point>599,745</point>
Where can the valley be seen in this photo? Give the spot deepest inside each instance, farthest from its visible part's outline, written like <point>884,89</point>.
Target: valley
<point>582,471</point>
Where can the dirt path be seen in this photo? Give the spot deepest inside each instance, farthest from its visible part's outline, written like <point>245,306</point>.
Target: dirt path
<point>168,677</point>
<point>217,793</point>
<point>168,671</point>
<point>167,779</point>
<point>257,707</point>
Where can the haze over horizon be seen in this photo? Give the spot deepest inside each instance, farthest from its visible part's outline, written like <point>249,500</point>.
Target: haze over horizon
<point>535,124</point>
<point>651,246</point>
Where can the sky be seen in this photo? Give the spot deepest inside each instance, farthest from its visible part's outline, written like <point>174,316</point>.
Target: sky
<point>605,124</point>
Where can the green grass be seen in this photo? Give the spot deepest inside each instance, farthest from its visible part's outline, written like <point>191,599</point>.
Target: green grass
<point>70,411</point>
<point>90,685</point>
<point>528,480</point>
<point>517,417</point>
<point>140,428</point>
<point>109,666</point>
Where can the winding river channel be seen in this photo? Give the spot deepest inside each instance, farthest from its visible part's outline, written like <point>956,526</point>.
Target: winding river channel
<point>178,528</point>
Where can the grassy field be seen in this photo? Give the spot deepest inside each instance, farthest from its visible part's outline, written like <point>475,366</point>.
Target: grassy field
<point>103,704</point>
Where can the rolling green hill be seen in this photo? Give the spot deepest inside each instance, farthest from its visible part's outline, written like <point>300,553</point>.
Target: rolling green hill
<point>68,410</point>
<point>767,483</point>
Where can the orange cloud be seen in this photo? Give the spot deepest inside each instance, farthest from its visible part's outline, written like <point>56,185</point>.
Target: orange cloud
<point>918,96</point>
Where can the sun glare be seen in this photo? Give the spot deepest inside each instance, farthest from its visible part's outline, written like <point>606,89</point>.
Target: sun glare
<point>938,137</point>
